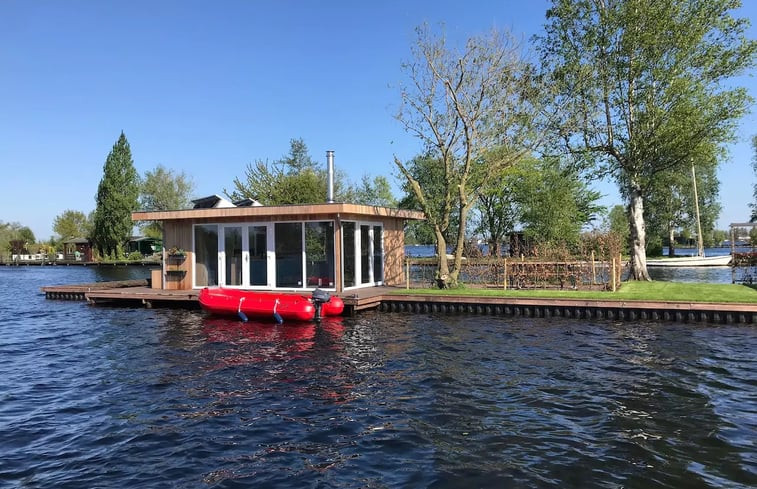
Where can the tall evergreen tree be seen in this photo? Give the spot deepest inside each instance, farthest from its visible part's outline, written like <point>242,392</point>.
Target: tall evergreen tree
<point>116,199</point>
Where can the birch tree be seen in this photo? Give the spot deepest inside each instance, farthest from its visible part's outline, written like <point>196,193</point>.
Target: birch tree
<point>644,85</point>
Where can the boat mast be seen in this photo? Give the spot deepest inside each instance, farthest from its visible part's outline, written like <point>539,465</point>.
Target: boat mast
<point>700,242</point>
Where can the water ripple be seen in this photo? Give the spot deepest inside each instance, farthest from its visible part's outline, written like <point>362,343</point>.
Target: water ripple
<point>103,397</point>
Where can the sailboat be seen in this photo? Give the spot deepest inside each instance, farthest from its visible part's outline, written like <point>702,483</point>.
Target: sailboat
<point>693,261</point>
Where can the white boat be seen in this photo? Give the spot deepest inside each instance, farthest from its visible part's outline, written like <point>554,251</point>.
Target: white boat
<point>691,261</point>
<point>698,260</point>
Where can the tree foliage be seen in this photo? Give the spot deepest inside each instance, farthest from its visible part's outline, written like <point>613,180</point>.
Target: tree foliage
<point>15,237</point>
<point>641,88</point>
<point>117,197</point>
<point>163,189</point>
<point>296,178</point>
<point>72,224</point>
<point>293,179</point>
<point>428,173</point>
<point>376,191</point>
<point>546,197</point>
<point>474,110</point>
<point>670,206</point>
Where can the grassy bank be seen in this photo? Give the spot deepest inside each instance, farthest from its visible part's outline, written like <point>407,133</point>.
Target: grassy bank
<point>651,291</point>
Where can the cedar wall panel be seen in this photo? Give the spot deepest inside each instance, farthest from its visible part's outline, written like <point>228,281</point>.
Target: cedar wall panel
<point>394,252</point>
<point>177,272</point>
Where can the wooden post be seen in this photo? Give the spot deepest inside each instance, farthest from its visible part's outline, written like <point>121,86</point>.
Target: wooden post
<point>620,267</point>
<point>407,273</point>
<point>504,285</point>
<point>593,270</point>
<point>613,274</point>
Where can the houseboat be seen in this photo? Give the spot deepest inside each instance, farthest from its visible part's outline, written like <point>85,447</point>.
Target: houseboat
<point>331,246</point>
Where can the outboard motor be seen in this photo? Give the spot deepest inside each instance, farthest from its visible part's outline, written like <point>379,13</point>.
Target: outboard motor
<point>319,298</point>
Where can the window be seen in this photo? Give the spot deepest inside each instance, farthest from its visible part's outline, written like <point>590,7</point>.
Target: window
<point>258,239</point>
<point>206,255</point>
<point>348,254</point>
<point>232,239</point>
<point>288,254</point>
<point>319,254</point>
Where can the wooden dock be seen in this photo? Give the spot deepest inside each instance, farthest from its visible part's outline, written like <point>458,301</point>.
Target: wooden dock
<point>138,292</point>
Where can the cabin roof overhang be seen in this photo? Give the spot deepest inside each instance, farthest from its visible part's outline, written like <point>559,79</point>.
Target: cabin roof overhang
<point>314,211</point>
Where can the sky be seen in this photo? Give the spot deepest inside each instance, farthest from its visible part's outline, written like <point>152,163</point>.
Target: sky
<point>208,87</point>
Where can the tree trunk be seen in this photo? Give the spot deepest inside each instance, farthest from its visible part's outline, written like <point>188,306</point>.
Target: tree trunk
<point>442,271</point>
<point>454,275</point>
<point>672,246</point>
<point>637,237</point>
<point>494,247</point>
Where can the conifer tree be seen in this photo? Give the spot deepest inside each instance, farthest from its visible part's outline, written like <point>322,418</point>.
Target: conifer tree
<point>116,199</point>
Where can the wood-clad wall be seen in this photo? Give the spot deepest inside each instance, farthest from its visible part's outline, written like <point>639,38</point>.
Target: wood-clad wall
<point>394,252</point>
<point>177,272</point>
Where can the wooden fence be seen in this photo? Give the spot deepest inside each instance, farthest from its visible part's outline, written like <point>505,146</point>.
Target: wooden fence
<point>510,273</point>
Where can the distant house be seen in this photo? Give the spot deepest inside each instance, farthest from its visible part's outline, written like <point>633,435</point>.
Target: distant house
<point>77,249</point>
<point>145,245</point>
<point>333,246</point>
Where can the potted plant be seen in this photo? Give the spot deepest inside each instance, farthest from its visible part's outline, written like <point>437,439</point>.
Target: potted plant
<point>175,251</point>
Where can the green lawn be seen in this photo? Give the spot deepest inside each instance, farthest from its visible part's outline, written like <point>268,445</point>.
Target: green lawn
<point>654,291</point>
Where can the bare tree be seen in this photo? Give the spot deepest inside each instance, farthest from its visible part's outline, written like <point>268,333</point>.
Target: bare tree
<point>475,110</point>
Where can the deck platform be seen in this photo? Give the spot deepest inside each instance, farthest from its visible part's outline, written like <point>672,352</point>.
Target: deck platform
<point>137,292</point>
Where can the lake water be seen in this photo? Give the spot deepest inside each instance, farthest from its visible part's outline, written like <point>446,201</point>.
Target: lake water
<point>118,397</point>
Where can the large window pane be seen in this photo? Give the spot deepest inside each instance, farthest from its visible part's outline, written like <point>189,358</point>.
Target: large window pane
<point>232,239</point>
<point>206,255</point>
<point>365,254</point>
<point>288,254</point>
<point>348,253</point>
<point>258,257</point>
<point>319,253</point>
<point>378,258</point>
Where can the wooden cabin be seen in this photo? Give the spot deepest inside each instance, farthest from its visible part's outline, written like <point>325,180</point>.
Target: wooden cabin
<point>332,246</point>
<point>77,249</point>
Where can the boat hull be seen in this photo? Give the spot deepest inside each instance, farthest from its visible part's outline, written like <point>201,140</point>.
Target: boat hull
<point>692,261</point>
<point>262,305</point>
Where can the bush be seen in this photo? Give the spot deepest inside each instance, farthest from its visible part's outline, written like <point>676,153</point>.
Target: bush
<point>134,256</point>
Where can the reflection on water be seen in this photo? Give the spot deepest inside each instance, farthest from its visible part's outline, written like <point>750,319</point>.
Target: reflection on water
<point>107,397</point>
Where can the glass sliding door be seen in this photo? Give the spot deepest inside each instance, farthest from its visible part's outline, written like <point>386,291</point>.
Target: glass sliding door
<point>258,247</point>
<point>232,247</point>
<point>362,254</point>
<point>348,254</point>
<point>365,254</point>
<point>319,254</point>
<point>378,255</point>
<point>206,255</point>
<point>288,254</point>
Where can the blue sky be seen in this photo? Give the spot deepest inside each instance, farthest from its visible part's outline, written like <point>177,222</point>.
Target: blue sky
<point>207,87</point>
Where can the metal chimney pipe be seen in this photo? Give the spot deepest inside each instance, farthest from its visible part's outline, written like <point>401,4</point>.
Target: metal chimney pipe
<point>330,170</point>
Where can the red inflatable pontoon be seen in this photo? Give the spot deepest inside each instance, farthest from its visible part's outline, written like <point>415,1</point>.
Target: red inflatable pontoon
<point>263,305</point>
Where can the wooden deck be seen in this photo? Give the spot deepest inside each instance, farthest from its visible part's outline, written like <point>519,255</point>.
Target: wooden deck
<point>382,298</point>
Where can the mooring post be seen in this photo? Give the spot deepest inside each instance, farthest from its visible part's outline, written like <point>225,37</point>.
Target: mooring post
<point>504,284</point>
